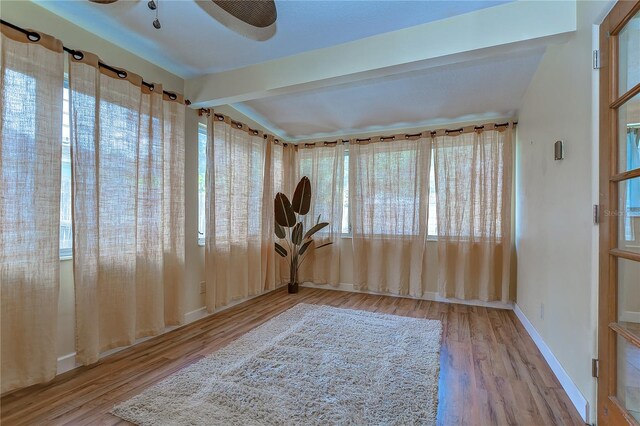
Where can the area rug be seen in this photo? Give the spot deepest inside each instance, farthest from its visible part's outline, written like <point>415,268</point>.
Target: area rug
<point>311,365</point>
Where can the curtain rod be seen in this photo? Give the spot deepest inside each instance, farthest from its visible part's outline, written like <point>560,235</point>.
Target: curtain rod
<point>407,135</point>
<point>34,36</point>
<point>434,132</point>
<point>238,124</point>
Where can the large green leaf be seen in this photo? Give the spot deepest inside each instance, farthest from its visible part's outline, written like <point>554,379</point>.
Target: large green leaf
<point>315,229</point>
<point>296,234</point>
<point>281,250</point>
<point>285,216</point>
<point>302,196</point>
<point>279,231</point>
<point>304,247</point>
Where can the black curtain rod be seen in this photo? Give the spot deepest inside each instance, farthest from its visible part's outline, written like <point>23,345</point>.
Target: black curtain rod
<point>413,135</point>
<point>34,36</point>
<point>237,124</point>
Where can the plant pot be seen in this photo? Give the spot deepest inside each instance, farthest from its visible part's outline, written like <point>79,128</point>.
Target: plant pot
<point>292,287</point>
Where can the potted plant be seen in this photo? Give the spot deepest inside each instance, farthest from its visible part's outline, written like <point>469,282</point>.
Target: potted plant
<point>290,230</point>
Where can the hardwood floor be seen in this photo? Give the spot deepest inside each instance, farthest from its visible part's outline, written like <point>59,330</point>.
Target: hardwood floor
<point>491,372</point>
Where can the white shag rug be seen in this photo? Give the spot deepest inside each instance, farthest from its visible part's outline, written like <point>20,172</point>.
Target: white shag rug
<point>311,365</point>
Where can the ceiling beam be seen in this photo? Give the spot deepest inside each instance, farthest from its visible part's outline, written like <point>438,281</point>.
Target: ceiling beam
<point>487,32</point>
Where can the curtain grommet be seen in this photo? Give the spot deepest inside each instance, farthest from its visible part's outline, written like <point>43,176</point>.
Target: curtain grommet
<point>33,36</point>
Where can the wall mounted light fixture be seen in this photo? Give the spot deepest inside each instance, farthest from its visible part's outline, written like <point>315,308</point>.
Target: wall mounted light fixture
<point>559,150</point>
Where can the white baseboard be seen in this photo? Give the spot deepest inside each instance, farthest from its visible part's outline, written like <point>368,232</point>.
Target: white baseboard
<point>195,315</point>
<point>68,362</point>
<point>630,316</point>
<point>574,394</point>
<point>429,295</point>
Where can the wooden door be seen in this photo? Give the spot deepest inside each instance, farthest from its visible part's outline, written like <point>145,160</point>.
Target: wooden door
<point>619,293</point>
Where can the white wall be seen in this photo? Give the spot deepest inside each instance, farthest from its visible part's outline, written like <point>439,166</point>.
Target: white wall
<point>556,240</point>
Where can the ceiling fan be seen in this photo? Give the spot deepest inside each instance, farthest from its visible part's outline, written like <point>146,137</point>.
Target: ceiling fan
<point>252,18</point>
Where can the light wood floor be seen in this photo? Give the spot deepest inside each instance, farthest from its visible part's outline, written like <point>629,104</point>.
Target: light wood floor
<point>491,371</point>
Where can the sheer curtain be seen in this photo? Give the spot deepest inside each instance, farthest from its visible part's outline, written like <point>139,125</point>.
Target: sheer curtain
<point>280,172</point>
<point>30,152</point>
<point>323,164</point>
<point>237,241</point>
<point>389,195</point>
<point>127,149</point>
<point>473,185</point>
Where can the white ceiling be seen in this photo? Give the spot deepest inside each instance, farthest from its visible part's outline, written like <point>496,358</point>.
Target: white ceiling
<point>335,68</point>
<point>192,43</point>
<point>470,91</point>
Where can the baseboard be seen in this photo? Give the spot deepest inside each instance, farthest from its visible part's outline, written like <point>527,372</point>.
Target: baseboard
<point>195,315</point>
<point>574,394</point>
<point>630,316</point>
<point>429,295</point>
<point>68,362</point>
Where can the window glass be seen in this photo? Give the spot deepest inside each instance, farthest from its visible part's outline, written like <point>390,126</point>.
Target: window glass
<point>346,225</point>
<point>432,225</point>
<point>433,218</point>
<point>66,230</point>
<point>323,165</point>
<point>202,173</point>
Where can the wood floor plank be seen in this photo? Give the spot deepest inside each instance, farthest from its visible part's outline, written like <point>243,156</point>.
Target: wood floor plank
<point>491,372</point>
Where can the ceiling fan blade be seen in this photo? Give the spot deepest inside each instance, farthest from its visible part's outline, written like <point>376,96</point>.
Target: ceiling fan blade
<point>258,13</point>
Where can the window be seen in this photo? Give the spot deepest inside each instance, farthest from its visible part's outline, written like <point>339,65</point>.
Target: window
<point>202,174</point>
<point>346,224</point>
<point>432,225</point>
<point>66,230</point>
<point>632,189</point>
<point>238,173</point>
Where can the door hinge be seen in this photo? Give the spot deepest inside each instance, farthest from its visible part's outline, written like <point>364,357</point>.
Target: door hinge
<point>596,60</point>
<point>596,214</point>
<point>595,365</point>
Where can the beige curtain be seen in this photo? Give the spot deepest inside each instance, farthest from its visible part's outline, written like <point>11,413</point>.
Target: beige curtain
<point>30,152</point>
<point>389,199</point>
<point>237,241</point>
<point>127,149</point>
<point>280,174</point>
<point>473,185</point>
<point>323,164</point>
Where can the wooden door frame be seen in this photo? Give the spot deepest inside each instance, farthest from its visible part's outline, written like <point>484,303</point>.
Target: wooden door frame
<point>609,409</point>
